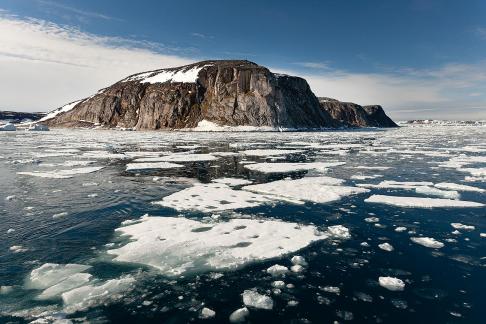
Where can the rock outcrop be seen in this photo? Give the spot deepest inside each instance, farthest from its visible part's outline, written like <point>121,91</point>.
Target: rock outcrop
<point>354,115</point>
<point>226,93</point>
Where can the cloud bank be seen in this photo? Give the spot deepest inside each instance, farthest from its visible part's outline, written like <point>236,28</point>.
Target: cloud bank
<point>45,65</point>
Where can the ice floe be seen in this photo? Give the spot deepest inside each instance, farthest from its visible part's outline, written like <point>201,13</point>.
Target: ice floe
<point>427,242</point>
<point>207,313</point>
<point>458,187</point>
<point>291,167</point>
<point>61,174</point>
<point>177,245</point>
<point>312,189</point>
<point>152,166</point>
<point>269,152</point>
<point>212,197</point>
<point>93,294</point>
<point>431,191</point>
<point>391,283</point>
<point>185,157</point>
<point>386,247</point>
<point>277,270</point>
<point>239,315</point>
<point>463,227</point>
<point>251,298</point>
<point>415,202</point>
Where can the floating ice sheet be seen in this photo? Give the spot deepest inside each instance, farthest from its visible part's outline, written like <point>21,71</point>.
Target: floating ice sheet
<point>152,165</point>
<point>178,246</point>
<point>61,174</point>
<point>415,202</point>
<point>291,167</point>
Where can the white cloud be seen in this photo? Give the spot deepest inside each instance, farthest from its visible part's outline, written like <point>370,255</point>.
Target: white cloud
<point>313,65</point>
<point>44,65</point>
<point>409,93</point>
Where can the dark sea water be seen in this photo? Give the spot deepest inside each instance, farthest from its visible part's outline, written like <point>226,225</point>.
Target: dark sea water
<point>73,220</point>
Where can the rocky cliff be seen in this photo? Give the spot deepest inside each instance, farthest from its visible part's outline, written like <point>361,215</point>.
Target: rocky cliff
<point>17,117</point>
<point>354,115</point>
<point>226,93</point>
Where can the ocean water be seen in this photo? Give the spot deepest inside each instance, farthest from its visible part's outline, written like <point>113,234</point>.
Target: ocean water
<point>66,200</point>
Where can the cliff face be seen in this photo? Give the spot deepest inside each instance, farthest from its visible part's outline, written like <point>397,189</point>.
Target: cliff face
<point>230,93</point>
<point>227,93</point>
<point>17,117</point>
<point>354,115</point>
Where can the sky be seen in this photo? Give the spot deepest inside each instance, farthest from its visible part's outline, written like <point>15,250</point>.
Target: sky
<point>419,59</point>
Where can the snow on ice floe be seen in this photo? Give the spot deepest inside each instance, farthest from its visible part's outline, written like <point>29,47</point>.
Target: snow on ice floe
<point>239,315</point>
<point>104,155</point>
<point>251,298</point>
<point>177,246</point>
<point>232,181</point>
<point>431,191</point>
<point>185,157</point>
<point>269,152</point>
<point>459,226</point>
<point>61,174</point>
<point>151,166</point>
<point>457,187</point>
<point>415,202</point>
<point>277,270</point>
<point>208,126</point>
<point>212,197</point>
<point>312,189</point>
<point>291,167</point>
<point>386,247</point>
<point>391,283</point>
<point>427,242</point>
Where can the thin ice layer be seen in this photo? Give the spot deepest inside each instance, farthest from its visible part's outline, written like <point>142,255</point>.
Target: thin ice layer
<point>177,246</point>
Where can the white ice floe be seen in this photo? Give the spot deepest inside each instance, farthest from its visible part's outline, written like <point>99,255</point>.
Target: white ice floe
<point>208,126</point>
<point>60,215</point>
<point>372,219</point>
<point>297,259</point>
<point>387,184</point>
<point>297,268</point>
<point>277,270</point>
<point>427,242</point>
<point>338,232</point>
<point>232,181</point>
<point>400,229</point>
<point>291,167</point>
<point>18,249</point>
<point>177,246</point>
<point>73,281</point>
<point>50,274</point>
<point>364,177</point>
<point>38,128</point>
<point>152,166</point>
<point>415,202</point>
<point>185,157</point>
<point>332,289</point>
<point>431,191</point>
<point>61,174</point>
<point>363,167</point>
<point>252,298</point>
<point>313,189</point>
<point>386,247</point>
<point>463,227</point>
<point>269,152</point>
<point>239,315</point>
<point>104,155</point>
<point>391,283</point>
<point>58,111</point>
<point>212,197</point>
<point>207,313</point>
<point>458,187</point>
<point>90,295</point>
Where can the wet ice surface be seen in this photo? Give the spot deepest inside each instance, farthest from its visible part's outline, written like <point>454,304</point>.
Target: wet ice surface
<point>275,227</point>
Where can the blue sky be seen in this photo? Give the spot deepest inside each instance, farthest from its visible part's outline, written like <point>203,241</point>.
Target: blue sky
<point>419,58</point>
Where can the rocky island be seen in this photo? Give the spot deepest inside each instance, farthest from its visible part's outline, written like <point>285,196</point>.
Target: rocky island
<point>218,93</point>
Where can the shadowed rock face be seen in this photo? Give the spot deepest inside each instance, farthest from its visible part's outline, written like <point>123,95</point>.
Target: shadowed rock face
<point>354,115</point>
<point>17,117</point>
<point>229,93</point>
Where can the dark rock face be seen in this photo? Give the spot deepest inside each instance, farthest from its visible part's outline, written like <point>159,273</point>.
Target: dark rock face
<point>17,117</point>
<point>354,115</point>
<point>229,93</point>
